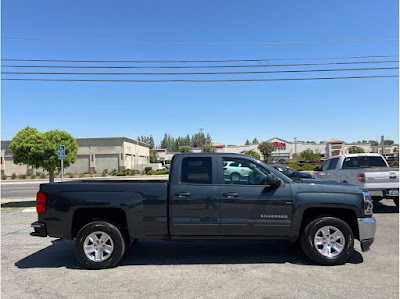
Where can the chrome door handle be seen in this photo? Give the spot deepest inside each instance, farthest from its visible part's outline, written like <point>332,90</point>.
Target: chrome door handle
<point>231,194</point>
<point>182,194</point>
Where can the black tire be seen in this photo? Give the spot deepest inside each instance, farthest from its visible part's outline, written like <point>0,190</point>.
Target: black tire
<point>396,201</point>
<point>376,198</point>
<point>307,241</point>
<point>118,242</point>
<point>235,177</point>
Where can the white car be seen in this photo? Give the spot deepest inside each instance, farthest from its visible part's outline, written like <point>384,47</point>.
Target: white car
<point>235,171</point>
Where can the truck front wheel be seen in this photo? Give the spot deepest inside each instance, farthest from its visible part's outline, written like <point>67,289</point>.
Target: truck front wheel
<point>99,245</point>
<point>327,241</point>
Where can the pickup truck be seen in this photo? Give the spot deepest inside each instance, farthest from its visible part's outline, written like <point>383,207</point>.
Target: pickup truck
<point>369,171</point>
<point>199,202</point>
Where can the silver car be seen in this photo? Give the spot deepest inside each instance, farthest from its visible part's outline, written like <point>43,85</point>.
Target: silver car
<point>235,171</point>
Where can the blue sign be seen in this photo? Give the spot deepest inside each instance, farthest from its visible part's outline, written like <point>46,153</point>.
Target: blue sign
<point>61,152</point>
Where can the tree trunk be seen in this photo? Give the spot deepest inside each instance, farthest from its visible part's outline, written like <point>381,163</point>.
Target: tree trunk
<point>51,176</point>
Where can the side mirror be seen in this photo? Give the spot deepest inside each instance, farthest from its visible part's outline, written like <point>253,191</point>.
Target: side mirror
<point>273,181</point>
<point>317,169</point>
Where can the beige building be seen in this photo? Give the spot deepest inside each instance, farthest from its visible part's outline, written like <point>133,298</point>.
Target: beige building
<point>94,155</point>
<point>285,149</point>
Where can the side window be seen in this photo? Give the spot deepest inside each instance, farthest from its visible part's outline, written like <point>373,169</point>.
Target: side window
<point>196,170</point>
<point>326,164</point>
<point>249,173</point>
<point>377,162</point>
<point>350,162</point>
<point>333,164</point>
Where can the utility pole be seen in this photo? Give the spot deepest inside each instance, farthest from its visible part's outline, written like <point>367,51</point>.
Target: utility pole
<point>295,145</point>
<point>382,144</point>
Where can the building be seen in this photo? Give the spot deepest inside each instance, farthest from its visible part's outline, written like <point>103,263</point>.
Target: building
<point>94,155</point>
<point>285,149</point>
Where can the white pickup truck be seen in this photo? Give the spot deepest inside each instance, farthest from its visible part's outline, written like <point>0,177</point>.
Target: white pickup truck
<point>369,171</point>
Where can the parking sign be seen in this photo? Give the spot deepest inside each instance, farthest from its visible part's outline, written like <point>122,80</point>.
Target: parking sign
<point>61,152</point>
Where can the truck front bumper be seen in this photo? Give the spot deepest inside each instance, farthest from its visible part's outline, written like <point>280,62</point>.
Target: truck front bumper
<point>366,231</point>
<point>40,229</point>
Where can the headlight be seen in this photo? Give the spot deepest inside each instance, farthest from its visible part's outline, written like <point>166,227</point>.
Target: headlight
<point>368,205</point>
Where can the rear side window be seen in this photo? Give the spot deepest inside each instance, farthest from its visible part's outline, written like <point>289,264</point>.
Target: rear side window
<point>364,162</point>
<point>333,164</point>
<point>196,171</point>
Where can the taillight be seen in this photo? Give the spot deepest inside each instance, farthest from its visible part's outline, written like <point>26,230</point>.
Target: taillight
<point>40,202</point>
<point>361,177</point>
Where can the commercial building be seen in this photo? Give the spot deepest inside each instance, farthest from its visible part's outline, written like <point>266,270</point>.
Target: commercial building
<point>285,149</point>
<point>94,155</point>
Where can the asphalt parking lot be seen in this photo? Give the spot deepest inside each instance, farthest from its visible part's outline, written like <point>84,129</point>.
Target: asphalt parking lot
<point>33,267</point>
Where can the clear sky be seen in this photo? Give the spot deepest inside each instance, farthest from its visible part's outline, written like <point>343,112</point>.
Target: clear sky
<point>351,110</point>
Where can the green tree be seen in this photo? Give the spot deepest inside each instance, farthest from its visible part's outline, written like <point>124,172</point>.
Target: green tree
<point>356,149</point>
<point>247,142</point>
<point>38,149</point>
<point>185,149</point>
<point>266,148</point>
<point>153,156</point>
<point>208,148</point>
<point>374,142</point>
<point>255,141</point>
<point>309,155</point>
<point>395,150</point>
<point>252,153</point>
<point>388,142</point>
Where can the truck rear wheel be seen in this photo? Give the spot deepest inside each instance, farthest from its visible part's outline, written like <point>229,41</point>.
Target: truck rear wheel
<point>327,241</point>
<point>99,245</point>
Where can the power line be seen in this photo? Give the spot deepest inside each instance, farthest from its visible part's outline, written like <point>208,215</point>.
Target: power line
<point>196,61</point>
<point>199,43</point>
<point>197,81</point>
<point>204,73</point>
<point>197,66</point>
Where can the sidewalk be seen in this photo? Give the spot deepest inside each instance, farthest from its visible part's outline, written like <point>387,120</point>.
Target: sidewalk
<point>57,180</point>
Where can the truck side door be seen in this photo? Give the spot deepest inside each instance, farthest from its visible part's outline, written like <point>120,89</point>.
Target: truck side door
<point>248,206</point>
<point>194,197</point>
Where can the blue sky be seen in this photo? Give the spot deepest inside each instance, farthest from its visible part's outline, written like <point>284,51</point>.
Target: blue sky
<point>231,112</point>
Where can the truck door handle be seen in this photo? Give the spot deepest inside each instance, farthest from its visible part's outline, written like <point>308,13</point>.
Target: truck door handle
<point>231,195</point>
<point>183,194</point>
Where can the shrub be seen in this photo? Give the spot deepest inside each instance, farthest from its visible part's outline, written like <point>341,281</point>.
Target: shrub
<point>71,175</point>
<point>3,177</point>
<point>33,176</point>
<point>120,173</point>
<point>81,175</point>
<point>13,176</point>
<point>308,167</point>
<point>151,172</point>
<point>147,169</point>
<point>42,176</point>
<point>137,171</point>
<point>38,173</point>
<point>162,171</point>
<point>394,164</point>
<point>29,172</point>
<point>114,172</point>
<point>294,166</point>
<point>22,176</point>
<point>104,172</point>
<point>128,171</point>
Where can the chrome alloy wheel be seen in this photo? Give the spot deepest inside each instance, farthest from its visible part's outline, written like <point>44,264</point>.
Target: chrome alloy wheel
<point>98,246</point>
<point>329,241</point>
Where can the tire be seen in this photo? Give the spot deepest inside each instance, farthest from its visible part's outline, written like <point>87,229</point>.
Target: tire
<point>235,177</point>
<point>376,198</point>
<point>327,252</point>
<point>396,201</point>
<point>99,255</point>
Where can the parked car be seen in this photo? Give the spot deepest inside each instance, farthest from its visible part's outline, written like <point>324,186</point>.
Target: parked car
<point>292,173</point>
<point>236,171</point>
<point>199,203</point>
<point>370,171</point>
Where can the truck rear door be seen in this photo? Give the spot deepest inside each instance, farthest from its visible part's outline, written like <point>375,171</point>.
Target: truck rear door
<point>194,197</point>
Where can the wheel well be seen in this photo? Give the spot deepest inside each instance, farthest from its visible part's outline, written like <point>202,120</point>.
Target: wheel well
<point>346,215</point>
<point>86,215</point>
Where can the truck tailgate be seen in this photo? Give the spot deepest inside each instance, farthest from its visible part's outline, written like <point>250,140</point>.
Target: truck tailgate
<point>382,178</point>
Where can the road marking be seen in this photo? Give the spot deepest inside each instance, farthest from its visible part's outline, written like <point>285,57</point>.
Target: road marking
<point>17,231</point>
<point>32,210</point>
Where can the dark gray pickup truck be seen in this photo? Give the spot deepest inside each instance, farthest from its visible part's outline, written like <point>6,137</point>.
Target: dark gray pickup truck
<point>208,197</point>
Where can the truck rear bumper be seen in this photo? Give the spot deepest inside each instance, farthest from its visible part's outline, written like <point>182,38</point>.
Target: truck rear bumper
<point>366,230</point>
<point>40,229</point>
